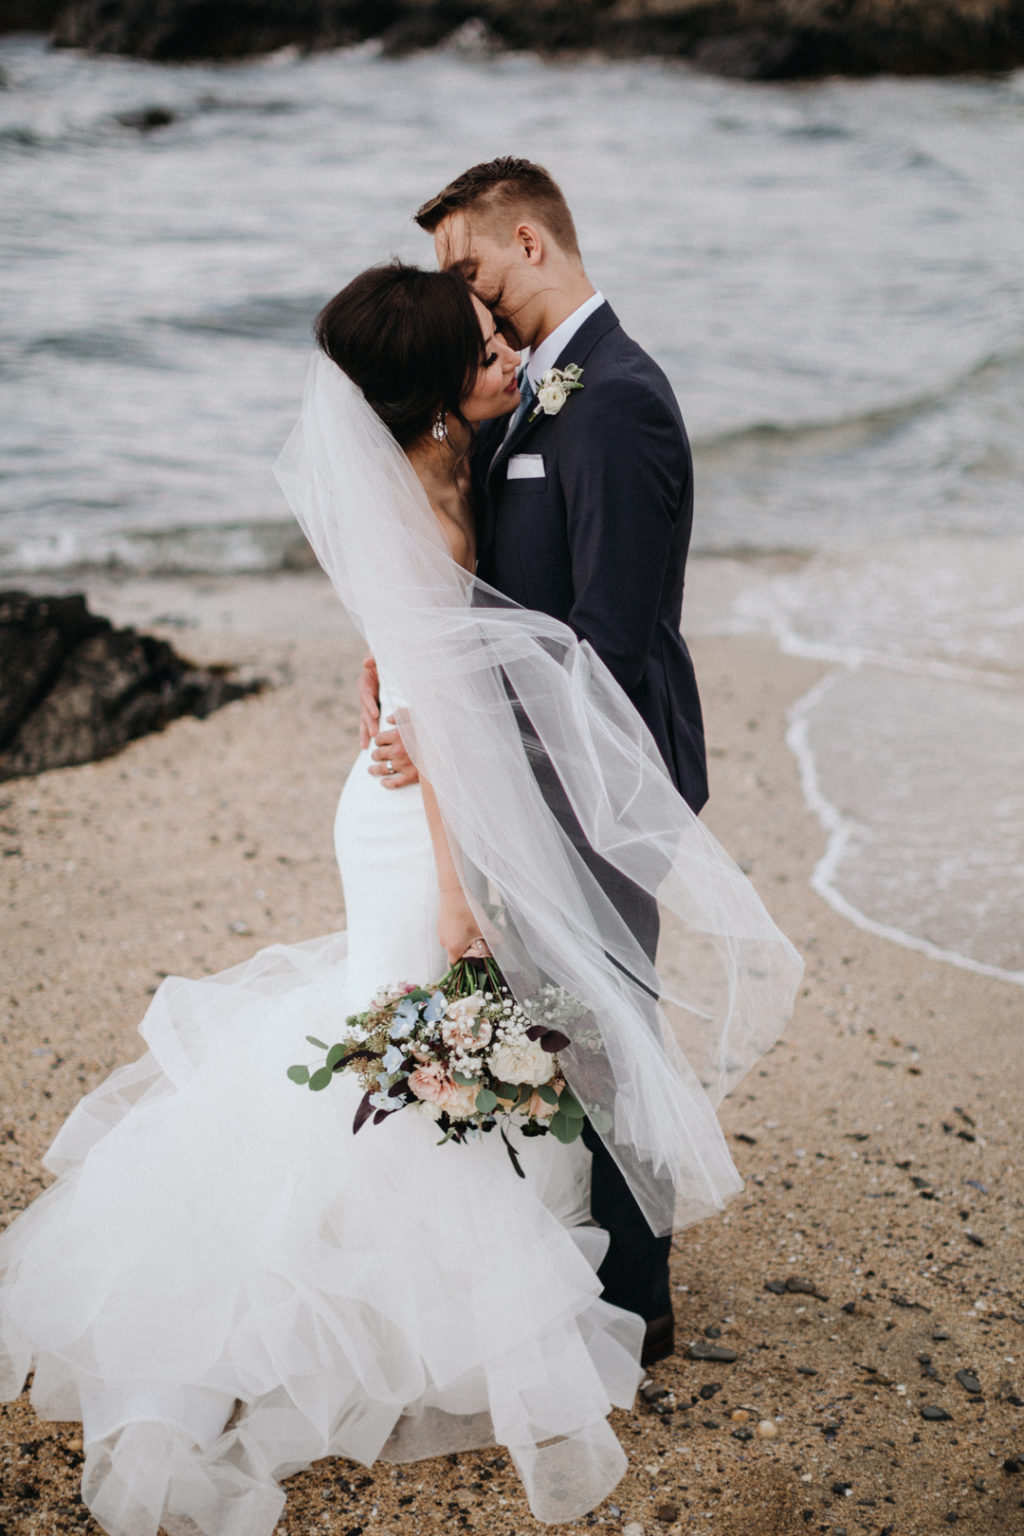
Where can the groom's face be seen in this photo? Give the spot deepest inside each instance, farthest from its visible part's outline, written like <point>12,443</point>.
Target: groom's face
<point>497,272</point>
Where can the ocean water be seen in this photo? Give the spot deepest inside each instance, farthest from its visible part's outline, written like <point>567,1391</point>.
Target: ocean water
<point>832,276</point>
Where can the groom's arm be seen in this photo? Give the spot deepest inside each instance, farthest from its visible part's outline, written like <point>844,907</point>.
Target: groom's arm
<point>627,485</point>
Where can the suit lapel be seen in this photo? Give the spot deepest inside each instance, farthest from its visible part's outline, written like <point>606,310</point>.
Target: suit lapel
<point>577,350</point>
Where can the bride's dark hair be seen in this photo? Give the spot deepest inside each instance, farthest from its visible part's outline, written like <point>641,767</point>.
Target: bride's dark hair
<point>411,341</point>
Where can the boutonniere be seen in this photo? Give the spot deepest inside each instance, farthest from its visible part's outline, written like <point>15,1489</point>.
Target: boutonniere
<point>556,385</point>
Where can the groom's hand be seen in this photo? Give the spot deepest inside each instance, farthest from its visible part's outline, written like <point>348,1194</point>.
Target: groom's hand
<point>369,699</point>
<point>391,763</point>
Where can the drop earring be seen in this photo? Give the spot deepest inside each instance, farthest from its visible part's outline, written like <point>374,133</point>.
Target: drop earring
<point>439,431</point>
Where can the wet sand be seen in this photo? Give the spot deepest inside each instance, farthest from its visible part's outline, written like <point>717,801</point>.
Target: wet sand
<point>880,1140</point>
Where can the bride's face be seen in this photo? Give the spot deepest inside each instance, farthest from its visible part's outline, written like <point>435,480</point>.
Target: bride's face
<point>495,391</point>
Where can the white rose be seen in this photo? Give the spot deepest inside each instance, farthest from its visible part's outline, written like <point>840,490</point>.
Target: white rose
<point>551,397</point>
<point>428,1108</point>
<point>521,1061</point>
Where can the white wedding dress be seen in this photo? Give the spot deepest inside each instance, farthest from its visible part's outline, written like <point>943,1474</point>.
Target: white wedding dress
<point>224,1284</point>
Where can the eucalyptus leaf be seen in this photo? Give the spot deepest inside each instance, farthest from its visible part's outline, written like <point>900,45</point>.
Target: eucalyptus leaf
<point>548,1094</point>
<point>601,1120</point>
<point>335,1055</point>
<point>320,1078</point>
<point>563,1129</point>
<point>570,1105</point>
<point>299,1074</point>
<point>486,1101</point>
<point>321,1045</point>
<point>463,1079</point>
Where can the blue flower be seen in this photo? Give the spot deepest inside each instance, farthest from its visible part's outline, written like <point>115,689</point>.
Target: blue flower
<point>435,1009</point>
<point>381,1101</point>
<point>405,1020</point>
<point>392,1059</point>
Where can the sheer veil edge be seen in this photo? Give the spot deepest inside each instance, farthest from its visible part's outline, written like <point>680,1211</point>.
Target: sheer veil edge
<point>510,717</point>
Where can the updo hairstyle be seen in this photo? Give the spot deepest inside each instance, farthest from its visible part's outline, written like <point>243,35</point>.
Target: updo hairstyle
<point>410,340</point>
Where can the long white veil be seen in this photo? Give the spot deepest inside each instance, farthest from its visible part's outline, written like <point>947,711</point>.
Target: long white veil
<point>513,720</point>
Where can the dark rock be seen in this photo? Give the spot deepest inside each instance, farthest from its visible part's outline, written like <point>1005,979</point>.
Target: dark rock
<point>934,1414</point>
<point>74,689</point>
<point>777,1287</point>
<point>746,39</point>
<point>28,15</point>
<point>743,1434</point>
<point>707,1392</point>
<point>667,1513</point>
<point>147,118</point>
<point>969,1382</point>
<point>800,1287</point>
<point>716,1352</point>
<point>712,1332</point>
<point>1013,1464</point>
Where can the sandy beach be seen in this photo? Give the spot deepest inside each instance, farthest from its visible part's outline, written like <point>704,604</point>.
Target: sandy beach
<point>871,1273</point>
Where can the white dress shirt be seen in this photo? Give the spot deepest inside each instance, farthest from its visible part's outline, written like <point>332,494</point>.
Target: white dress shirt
<point>544,356</point>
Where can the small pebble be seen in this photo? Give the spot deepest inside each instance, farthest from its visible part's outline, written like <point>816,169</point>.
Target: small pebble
<point>709,1389</point>
<point>667,1513</point>
<point>934,1414</point>
<point>741,1416</point>
<point>766,1430</point>
<point>969,1382</point>
<point>634,1528</point>
<point>238,926</point>
<point>743,1433</point>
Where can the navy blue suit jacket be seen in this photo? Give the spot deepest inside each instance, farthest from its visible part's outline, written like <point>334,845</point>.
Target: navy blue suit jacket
<point>599,539</point>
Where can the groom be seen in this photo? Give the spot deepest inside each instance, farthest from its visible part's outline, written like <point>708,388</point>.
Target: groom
<point>584,505</point>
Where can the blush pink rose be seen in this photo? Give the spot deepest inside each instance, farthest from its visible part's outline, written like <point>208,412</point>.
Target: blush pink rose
<point>463,1029</point>
<point>430,1082</point>
<point>433,1085</point>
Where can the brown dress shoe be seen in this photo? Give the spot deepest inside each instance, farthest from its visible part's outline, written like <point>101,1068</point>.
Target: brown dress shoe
<point>659,1339</point>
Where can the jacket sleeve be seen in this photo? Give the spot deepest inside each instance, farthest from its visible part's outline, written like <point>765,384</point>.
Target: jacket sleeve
<point>625,481</point>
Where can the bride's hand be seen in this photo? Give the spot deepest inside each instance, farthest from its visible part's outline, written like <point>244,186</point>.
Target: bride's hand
<point>391,762</point>
<point>459,930</point>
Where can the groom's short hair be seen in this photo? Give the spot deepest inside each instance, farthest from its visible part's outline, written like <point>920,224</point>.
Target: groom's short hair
<point>500,193</point>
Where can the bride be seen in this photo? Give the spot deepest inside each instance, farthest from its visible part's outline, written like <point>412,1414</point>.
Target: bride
<point>225,1283</point>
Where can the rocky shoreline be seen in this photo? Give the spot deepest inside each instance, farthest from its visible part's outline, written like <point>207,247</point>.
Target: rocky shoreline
<point>745,39</point>
<point>74,689</point>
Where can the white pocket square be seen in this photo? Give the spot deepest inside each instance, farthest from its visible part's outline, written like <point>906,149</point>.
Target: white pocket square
<point>526,466</point>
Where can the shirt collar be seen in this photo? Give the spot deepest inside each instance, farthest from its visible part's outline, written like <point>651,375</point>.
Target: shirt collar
<point>545,356</point>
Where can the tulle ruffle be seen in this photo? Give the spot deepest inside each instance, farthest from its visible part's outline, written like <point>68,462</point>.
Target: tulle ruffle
<point>225,1285</point>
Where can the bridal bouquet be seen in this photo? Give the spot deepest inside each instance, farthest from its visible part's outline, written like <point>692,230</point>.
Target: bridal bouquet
<point>462,1052</point>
